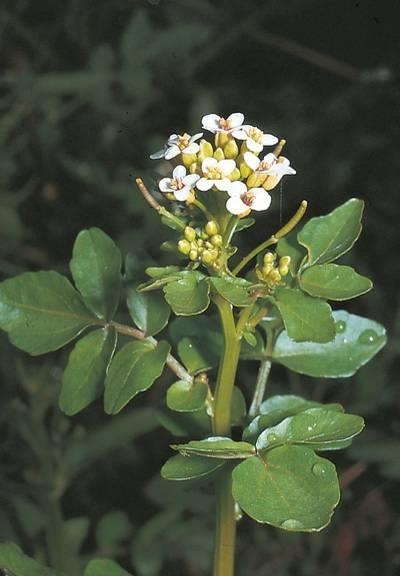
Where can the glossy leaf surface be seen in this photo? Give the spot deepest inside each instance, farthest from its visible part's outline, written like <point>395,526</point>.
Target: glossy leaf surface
<point>134,369</point>
<point>196,355</point>
<point>104,567</point>
<point>357,340</point>
<point>187,397</point>
<point>334,282</point>
<point>96,269</point>
<point>85,373</point>
<point>17,563</point>
<point>189,467</point>
<point>41,311</point>
<point>289,487</point>
<point>328,237</point>
<point>306,319</point>
<point>216,447</point>
<point>236,290</point>
<point>148,310</point>
<point>188,295</point>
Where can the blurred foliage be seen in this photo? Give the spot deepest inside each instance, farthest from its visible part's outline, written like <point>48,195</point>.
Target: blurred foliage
<point>87,91</point>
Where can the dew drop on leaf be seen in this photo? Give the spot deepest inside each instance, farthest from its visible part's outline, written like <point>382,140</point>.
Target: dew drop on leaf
<point>291,524</point>
<point>318,469</point>
<point>272,437</point>
<point>367,337</point>
<point>340,326</point>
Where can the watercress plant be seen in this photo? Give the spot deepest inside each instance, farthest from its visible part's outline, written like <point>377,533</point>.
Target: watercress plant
<point>269,306</point>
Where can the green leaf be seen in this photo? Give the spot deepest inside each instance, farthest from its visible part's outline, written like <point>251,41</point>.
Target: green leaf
<point>195,355</point>
<point>148,310</point>
<point>216,447</point>
<point>134,369</point>
<point>334,282</point>
<point>189,294</point>
<point>357,340</point>
<point>316,428</point>
<point>253,349</point>
<point>18,564</point>
<point>189,467</point>
<point>86,370</point>
<point>289,487</point>
<point>203,334</point>
<point>112,530</point>
<point>96,269</point>
<point>305,318</point>
<point>162,271</point>
<point>186,397</point>
<point>103,567</point>
<point>244,223</point>
<point>288,246</point>
<point>236,290</point>
<point>41,311</point>
<point>238,407</point>
<point>328,237</point>
<point>279,407</point>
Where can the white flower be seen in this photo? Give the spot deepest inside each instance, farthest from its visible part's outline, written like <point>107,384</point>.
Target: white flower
<point>242,200</point>
<point>176,145</point>
<point>215,174</point>
<point>180,185</point>
<point>270,164</point>
<point>214,123</point>
<point>255,138</point>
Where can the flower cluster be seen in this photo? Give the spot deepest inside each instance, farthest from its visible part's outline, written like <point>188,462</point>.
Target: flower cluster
<point>202,245</point>
<point>232,164</point>
<point>272,270</point>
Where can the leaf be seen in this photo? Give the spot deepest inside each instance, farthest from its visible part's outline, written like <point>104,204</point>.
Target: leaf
<point>289,487</point>
<point>288,246</point>
<point>244,223</point>
<point>316,428</point>
<point>238,407</point>
<point>103,567</point>
<point>334,282</point>
<point>195,356</point>
<point>216,447</point>
<point>234,290</point>
<point>189,467</point>
<point>328,237</point>
<point>96,269</point>
<point>305,318</point>
<point>357,340</point>
<point>279,407</point>
<point>41,311</point>
<point>162,271</point>
<point>186,397</point>
<point>134,369</point>
<point>18,564</point>
<point>189,294</point>
<point>255,349</point>
<point>148,310</point>
<point>204,335</point>
<point>85,373</point>
<point>111,531</point>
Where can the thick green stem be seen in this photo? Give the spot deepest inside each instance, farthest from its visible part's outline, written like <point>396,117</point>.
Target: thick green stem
<point>224,554</point>
<point>55,534</point>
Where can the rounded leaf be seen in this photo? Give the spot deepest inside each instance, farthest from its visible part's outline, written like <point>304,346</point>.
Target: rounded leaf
<point>148,310</point>
<point>186,396</point>
<point>189,467</point>
<point>334,282</point>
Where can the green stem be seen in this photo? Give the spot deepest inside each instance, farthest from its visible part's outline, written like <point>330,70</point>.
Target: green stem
<point>259,392</point>
<point>224,554</point>
<point>200,206</point>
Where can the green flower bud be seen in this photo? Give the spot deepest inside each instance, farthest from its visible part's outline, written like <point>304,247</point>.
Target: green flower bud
<point>190,233</point>
<point>206,150</point>
<point>221,139</point>
<point>211,228</point>
<point>255,180</point>
<point>235,175</point>
<point>231,149</point>
<point>188,159</point>
<point>267,269</point>
<point>193,168</point>
<point>193,255</point>
<point>245,170</point>
<point>217,240</point>
<point>219,154</point>
<point>284,260</point>
<point>269,257</point>
<point>208,257</point>
<point>274,276</point>
<point>184,246</point>
<point>283,270</point>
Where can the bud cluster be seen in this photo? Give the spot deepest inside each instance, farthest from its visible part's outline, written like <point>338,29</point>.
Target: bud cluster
<point>273,269</point>
<point>202,245</point>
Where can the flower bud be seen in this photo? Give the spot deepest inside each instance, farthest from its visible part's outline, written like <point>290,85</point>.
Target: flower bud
<point>211,228</point>
<point>267,269</point>
<point>188,159</point>
<point>231,149</point>
<point>256,180</point>
<point>283,270</point>
<point>193,168</point>
<point>271,181</point>
<point>206,150</point>
<point>245,170</point>
<point>190,233</point>
<point>221,139</point>
<point>269,257</point>
<point>193,254</point>
<point>235,175</point>
<point>274,276</point>
<point>219,154</point>
<point>208,257</point>
<point>217,240</point>
<point>170,196</point>
<point>184,246</point>
<point>284,260</point>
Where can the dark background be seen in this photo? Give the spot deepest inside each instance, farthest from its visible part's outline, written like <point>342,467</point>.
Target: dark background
<point>88,89</point>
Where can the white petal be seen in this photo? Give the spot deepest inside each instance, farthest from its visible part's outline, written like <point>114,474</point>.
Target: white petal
<point>211,122</point>
<point>190,180</point>
<point>209,163</point>
<point>179,172</point>
<point>269,140</point>
<point>172,152</point>
<point>235,120</point>
<point>183,194</point>
<point>193,148</point>
<point>239,134</point>
<point>158,155</point>
<point>251,160</point>
<point>204,184</point>
<point>236,206</point>
<point>270,158</point>
<point>165,185</point>
<point>226,166</point>
<point>236,189</point>
<point>222,184</point>
<point>253,145</point>
<point>262,199</point>
<point>172,139</point>
<point>196,137</point>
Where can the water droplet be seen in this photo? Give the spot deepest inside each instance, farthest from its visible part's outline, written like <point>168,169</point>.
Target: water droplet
<point>318,469</point>
<point>340,326</point>
<point>272,438</point>
<point>368,337</point>
<point>309,428</point>
<point>291,524</point>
